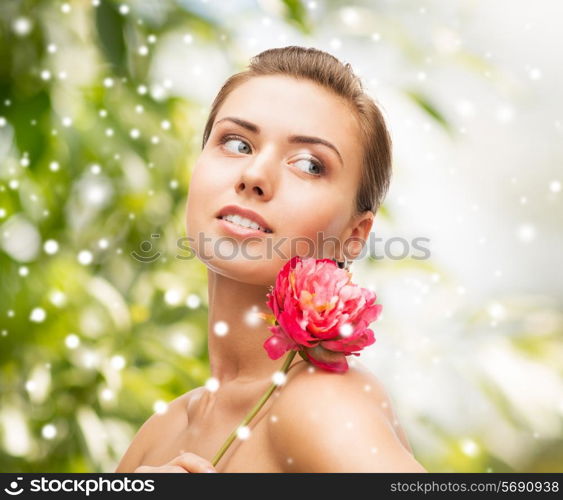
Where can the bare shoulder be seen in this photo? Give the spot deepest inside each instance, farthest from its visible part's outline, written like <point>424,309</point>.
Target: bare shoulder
<point>330,422</point>
<point>150,431</point>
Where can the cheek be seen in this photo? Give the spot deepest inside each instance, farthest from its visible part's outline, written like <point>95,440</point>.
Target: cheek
<point>315,211</point>
<point>202,190</point>
<point>313,229</point>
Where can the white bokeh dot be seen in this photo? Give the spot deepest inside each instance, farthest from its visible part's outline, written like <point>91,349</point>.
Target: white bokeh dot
<point>251,317</point>
<point>526,233</point>
<point>193,301</point>
<point>117,362</point>
<point>221,328</point>
<point>72,341</point>
<point>469,447</point>
<point>173,296</point>
<point>346,329</point>
<point>85,257</point>
<point>243,432</point>
<point>49,431</point>
<point>279,378</point>
<point>57,298</point>
<point>51,247</point>
<point>212,384</point>
<point>160,407</point>
<point>22,26</point>
<point>38,315</point>
<point>107,394</point>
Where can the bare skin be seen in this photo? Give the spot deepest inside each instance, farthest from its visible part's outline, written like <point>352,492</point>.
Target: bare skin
<point>346,416</point>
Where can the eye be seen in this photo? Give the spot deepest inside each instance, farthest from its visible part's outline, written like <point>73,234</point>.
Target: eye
<point>319,168</point>
<point>316,168</point>
<point>233,138</point>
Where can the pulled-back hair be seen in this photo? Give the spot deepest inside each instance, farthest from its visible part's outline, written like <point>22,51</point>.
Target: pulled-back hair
<point>326,70</point>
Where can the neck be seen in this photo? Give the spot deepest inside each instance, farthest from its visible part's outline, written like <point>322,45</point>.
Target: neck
<point>238,355</point>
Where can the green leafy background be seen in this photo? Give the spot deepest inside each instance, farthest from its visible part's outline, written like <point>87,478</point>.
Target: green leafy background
<point>96,156</point>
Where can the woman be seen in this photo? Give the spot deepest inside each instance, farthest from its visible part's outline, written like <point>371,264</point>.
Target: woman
<point>295,149</point>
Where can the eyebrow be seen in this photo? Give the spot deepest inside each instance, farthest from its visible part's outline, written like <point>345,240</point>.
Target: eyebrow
<point>292,139</point>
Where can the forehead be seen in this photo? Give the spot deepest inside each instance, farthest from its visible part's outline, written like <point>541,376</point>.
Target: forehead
<point>283,105</point>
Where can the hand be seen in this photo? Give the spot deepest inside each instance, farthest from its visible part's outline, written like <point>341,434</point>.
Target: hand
<point>186,462</point>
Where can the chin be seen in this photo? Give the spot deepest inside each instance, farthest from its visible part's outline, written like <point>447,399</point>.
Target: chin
<point>258,272</point>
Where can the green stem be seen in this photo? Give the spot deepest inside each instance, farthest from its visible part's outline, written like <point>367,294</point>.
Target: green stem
<point>254,410</point>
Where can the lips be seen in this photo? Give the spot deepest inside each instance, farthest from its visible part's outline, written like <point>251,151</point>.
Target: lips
<point>244,212</point>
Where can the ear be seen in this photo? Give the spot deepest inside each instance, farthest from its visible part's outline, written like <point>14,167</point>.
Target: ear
<point>358,233</point>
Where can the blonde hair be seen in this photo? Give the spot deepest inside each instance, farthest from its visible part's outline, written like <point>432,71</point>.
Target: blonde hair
<point>326,70</point>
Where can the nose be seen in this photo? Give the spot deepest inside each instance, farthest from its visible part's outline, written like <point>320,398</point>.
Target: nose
<point>258,176</point>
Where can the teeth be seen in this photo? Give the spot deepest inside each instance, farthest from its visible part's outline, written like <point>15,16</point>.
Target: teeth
<point>243,221</point>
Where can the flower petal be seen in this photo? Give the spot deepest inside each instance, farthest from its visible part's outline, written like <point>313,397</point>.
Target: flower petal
<point>350,344</point>
<point>278,344</point>
<point>327,360</point>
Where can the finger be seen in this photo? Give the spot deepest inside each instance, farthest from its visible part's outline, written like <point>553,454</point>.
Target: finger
<point>172,468</point>
<point>147,469</point>
<point>143,469</point>
<point>193,463</point>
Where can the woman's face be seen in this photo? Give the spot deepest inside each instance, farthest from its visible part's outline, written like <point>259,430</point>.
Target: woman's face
<point>303,190</point>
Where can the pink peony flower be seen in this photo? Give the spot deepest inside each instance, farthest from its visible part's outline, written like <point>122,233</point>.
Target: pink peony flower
<point>320,313</point>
